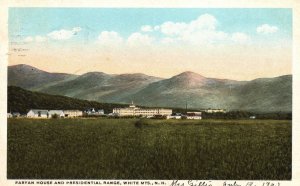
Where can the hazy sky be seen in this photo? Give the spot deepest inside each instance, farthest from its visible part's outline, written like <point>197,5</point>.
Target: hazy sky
<point>241,44</point>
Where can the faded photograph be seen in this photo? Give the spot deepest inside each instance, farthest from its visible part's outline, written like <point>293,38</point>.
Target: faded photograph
<point>149,93</point>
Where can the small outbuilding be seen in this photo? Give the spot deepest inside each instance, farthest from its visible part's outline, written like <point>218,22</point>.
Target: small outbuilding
<point>94,112</point>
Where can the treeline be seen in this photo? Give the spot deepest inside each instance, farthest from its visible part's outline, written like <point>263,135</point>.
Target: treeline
<point>247,115</point>
<point>20,100</point>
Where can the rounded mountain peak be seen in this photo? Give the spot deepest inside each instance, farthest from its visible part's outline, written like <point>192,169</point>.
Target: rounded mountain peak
<point>188,79</point>
<point>190,75</point>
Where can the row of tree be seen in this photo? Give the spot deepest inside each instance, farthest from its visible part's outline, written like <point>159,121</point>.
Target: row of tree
<point>248,115</point>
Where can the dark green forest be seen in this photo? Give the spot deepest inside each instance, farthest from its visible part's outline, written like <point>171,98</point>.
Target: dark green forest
<point>20,100</point>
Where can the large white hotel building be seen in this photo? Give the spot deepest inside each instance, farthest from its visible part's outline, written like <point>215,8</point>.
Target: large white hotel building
<point>132,110</point>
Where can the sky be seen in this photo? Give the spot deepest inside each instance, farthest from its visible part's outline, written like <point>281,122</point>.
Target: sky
<point>240,44</point>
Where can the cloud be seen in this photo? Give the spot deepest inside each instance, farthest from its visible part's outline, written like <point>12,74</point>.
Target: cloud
<point>110,38</point>
<point>168,41</point>
<point>40,39</point>
<point>266,29</point>
<point>76,29</point>
<point>205,22</point>
<point>56,35</point>
<point>28,39</point>
<point>138,39</point>
<point>205,37</point>
<point>147,28</point>
<point>171,28</point>
<point>239,37</point>
<point>37,39</point>
<point>200,31</point>
<point>156,27</point>
<point>64,34</point>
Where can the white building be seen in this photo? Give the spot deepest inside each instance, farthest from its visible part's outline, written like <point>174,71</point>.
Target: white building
<point>215,110</point>
<point>72,113</point>
<point>174,117</point>
<point>9,115</point>
<point>16,114</point>
<point>132,110</point>
<point>94,112</point>
<point>100,112</point>
<point>193,115</point>
<point>38,113</point>
<point>59,113</point>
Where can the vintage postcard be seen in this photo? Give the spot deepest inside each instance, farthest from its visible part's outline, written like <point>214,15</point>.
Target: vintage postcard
<point>149,94</point>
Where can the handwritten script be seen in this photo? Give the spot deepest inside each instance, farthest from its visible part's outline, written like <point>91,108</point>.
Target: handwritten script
<point>225,183</point>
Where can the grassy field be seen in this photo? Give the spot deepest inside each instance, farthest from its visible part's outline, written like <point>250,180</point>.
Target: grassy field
<point>149,149</point>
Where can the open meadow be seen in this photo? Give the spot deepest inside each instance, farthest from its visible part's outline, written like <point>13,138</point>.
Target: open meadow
<point>149,149</point>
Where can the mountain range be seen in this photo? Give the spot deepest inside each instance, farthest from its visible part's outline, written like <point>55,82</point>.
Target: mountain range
<point>259,95</point>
